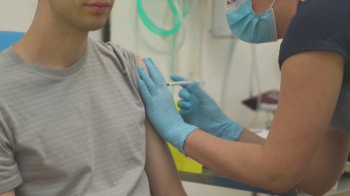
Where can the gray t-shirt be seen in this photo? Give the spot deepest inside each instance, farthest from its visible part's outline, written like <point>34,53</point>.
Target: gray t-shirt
<point>78,131</point>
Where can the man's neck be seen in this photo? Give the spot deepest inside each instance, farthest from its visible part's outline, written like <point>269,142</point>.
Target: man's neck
<point>51,43</point>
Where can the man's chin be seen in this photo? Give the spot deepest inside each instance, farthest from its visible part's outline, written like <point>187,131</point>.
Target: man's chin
<point>93,24</point>
<point>93,27</point>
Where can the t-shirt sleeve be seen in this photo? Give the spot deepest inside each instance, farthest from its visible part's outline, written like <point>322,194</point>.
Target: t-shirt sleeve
<point>10,176</point>
<point>129,63</point>
<point>132,59</point>
<point>318,26</point>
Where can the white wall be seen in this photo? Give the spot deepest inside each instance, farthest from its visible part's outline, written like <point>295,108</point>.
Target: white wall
<point>17,15</point>
<point>207,59</point>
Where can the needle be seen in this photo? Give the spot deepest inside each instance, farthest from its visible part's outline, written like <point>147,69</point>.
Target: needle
<point>183,83</point>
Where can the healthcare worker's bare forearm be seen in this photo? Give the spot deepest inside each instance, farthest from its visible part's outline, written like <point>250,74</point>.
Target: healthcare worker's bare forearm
<point>296,134</point>
<point>327,165</point>
<point>242,162</point>
<point>248,136</point>
<point>9,193</point>
<point>160,167</point>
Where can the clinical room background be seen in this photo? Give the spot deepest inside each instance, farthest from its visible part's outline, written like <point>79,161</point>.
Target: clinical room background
<point>200,48</point>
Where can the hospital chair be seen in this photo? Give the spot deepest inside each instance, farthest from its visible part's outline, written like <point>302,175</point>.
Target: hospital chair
<point>7,38</point>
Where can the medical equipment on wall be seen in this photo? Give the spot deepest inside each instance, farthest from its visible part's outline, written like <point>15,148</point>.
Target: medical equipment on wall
<point>166,34</point>
<point>177,24</point>
<point>177,20</point>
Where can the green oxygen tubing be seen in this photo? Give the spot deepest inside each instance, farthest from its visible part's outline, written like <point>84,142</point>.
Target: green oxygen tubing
<point>177,24</point>
<point>177,21</point>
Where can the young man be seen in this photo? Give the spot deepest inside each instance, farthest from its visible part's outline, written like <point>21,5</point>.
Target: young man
<point>71,118</point>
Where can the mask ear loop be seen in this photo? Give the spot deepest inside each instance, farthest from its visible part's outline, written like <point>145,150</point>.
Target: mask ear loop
<point>273,3</point>
<point>273,13</point>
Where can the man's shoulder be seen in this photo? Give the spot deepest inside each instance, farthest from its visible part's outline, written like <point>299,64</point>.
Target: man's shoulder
<point>7,65</point>
<point>4,58</point>
<point>113,50</point>
<point>110,47</point>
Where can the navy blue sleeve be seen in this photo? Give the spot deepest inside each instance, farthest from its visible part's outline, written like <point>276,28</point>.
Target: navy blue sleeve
<point>319,25</point>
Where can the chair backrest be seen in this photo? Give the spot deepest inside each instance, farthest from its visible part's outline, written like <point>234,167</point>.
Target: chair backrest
<point>7,38</point>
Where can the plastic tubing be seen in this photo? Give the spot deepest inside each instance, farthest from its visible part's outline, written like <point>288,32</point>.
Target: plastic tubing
<point>177,23</point>
<point>157,30</point>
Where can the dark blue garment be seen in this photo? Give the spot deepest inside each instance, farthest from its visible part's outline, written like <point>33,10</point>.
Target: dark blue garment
<point>319,25</point>
<point>323,25</point>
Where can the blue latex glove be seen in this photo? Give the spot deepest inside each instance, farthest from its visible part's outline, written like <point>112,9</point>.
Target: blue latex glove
<point>199,109</point>
<point>160,107</point>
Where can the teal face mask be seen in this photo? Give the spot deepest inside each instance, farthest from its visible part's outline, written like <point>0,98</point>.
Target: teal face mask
<point>249,26</point>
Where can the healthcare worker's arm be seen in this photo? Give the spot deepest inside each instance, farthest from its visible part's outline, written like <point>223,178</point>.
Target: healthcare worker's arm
<point>248,136</point>
<point>310,87</point>
<point>327,164</point>
<point>199,109</point>
<point>9,193</point>
<point>160,167</point>
<point>309,91</point>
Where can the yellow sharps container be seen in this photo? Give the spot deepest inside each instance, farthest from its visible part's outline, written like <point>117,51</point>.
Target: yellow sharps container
<point>184,163</point>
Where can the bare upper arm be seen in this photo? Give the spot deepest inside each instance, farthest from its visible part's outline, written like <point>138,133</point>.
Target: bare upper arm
<point>310,87</point>
<point>141,63</point>
<point>9,193</point>
<point>160,166</point>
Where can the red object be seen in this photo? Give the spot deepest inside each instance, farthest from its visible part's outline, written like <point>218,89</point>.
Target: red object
<point>269,101</point>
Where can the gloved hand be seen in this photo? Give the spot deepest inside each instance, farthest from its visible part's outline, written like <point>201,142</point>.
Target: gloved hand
<point>199,109</point>
<point>160,107</point>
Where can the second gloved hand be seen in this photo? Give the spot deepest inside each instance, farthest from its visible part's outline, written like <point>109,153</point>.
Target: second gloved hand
<point>160,107</point>
<point>199,109</point>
